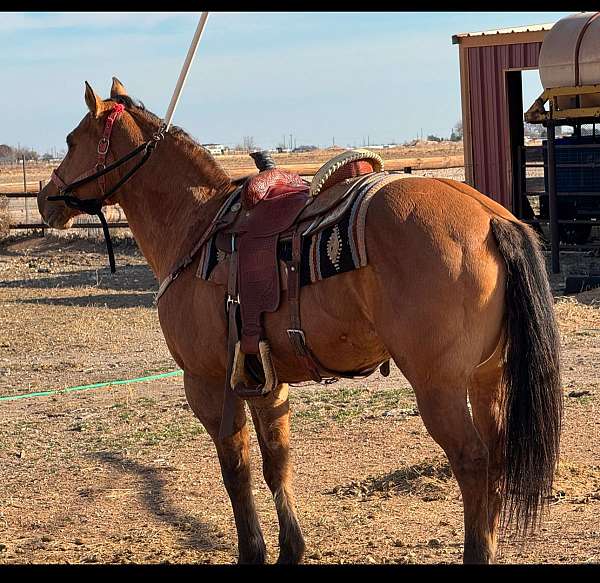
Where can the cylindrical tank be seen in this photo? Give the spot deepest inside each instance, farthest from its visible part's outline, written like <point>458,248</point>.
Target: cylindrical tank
<point>570,56</point>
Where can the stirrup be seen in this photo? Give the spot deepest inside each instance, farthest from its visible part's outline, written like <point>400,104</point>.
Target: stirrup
<point>240,382</point>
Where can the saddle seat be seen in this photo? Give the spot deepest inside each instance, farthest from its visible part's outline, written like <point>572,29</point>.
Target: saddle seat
<point>277,205</point>
<point>271,184</point>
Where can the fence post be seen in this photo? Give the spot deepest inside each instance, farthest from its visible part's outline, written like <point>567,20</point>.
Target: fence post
<point>24,176</point>
<point>25,191</point>
<point>42,220</point>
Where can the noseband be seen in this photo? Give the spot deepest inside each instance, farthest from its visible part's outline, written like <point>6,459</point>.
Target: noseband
<point>93,206</point>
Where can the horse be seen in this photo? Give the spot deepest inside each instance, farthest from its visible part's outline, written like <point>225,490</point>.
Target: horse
<point>455,292</point>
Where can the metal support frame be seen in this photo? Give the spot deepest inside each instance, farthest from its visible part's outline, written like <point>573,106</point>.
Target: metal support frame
<point>552,198</point>
<point>550,118</point>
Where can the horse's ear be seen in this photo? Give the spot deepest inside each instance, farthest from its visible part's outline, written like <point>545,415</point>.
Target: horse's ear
<point>117,88</point>
<point>93,102</point>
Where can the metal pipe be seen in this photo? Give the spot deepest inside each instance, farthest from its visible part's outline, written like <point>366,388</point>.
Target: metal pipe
<point>185,70</point>
<point>552,198</point>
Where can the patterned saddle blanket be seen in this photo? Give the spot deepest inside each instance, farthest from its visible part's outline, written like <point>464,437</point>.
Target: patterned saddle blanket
<point>336,248</point>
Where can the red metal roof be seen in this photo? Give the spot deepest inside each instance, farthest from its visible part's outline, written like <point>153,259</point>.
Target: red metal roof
<point>456,39</point>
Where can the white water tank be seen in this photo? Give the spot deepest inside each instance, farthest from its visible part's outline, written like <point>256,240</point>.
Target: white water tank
<point>570,56</point>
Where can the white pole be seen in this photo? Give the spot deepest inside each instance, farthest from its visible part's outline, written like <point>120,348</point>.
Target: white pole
<point>185,70</point>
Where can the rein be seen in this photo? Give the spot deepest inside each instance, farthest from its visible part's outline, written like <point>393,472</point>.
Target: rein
<point>93,206</point>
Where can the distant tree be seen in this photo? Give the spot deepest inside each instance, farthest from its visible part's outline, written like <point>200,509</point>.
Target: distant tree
<point>248,143</point>
<point>457,132</point>
<point>27,153</point>
<point>6,153</point>
<point>47,157</point>
<point>433,138</point>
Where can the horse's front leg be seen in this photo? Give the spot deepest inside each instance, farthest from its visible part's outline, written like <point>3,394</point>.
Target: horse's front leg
<point>271,416</point>
<point>206,401</point>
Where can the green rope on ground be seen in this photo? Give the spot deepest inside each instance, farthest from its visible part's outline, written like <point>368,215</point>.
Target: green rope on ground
<point>94,386</point>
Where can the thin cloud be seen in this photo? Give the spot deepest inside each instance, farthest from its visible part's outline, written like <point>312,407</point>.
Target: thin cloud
<point>27,21</point>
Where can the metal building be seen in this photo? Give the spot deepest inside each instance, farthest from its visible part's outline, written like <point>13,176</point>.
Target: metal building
<point>492,105</point>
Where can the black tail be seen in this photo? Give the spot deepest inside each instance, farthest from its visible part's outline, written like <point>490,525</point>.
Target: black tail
<point>533,402</point>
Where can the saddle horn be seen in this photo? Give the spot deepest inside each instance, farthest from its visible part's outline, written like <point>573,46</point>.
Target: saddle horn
<point>263,160</point>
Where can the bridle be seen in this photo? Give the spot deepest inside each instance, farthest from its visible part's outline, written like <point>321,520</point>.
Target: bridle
<point>93,206</point>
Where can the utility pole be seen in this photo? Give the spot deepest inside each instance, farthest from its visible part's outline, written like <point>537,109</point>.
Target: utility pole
<point>290,140</point>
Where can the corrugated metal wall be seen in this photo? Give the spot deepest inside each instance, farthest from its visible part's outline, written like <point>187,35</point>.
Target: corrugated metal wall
<point>489,114</point>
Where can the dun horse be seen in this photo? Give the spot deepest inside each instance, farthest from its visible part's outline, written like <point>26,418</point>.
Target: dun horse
<point>455,293</point>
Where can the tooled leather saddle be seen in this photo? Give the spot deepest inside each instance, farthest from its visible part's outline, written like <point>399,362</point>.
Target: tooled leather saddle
<point>269,207</point>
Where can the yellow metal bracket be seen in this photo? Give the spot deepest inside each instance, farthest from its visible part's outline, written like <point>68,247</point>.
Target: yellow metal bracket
<point>538,114</point>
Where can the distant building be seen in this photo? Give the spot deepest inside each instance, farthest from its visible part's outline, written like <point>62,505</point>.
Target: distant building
<point>215,149</point>
<point>304,149</point>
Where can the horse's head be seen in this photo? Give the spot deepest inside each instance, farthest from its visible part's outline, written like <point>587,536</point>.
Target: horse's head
<point>88,147</point>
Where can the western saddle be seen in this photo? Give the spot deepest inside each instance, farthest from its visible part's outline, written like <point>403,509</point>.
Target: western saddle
<point>273,206</point>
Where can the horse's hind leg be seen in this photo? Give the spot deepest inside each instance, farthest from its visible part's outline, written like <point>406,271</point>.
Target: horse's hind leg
<point>443,406</point>
<point>272,421</point>
<point>485,395</point>
<point>206,402</point>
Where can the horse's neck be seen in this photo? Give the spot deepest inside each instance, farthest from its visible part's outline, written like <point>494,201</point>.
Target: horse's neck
<point>171,201</point>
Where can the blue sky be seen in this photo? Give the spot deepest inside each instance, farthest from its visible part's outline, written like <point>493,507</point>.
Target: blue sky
<point>319,75</point>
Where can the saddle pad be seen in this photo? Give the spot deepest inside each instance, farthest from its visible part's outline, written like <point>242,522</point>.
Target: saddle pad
<point>338,248</point>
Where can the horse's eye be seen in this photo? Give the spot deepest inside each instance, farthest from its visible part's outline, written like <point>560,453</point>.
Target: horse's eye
<point>70,141</point>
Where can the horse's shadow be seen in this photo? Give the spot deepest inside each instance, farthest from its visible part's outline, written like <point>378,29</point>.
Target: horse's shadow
<point>132,300</point>
<point>128,277</point>
<point>194,533</point>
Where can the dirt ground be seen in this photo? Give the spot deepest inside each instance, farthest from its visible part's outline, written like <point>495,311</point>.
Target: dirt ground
<point>127,474</point>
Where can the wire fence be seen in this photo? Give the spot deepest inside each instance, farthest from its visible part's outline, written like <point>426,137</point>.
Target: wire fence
<point>19,213</point>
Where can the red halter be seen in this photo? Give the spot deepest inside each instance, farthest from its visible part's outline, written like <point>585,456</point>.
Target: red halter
<point>102,151</point>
